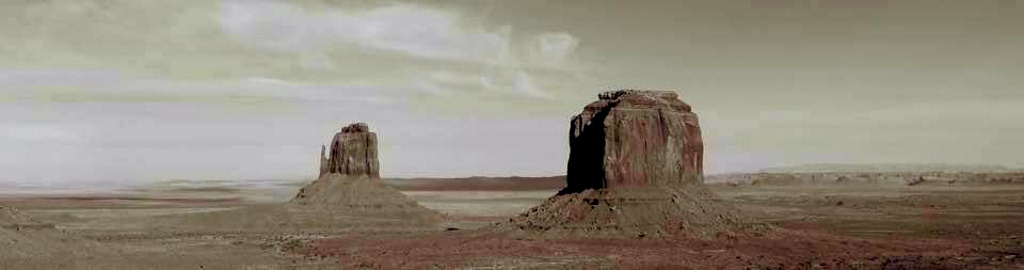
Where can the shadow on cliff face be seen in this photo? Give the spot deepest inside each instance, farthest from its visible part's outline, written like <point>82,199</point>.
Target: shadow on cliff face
<point>586,156</point>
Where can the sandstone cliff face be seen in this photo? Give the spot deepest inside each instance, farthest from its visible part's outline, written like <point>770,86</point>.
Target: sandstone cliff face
<point>635,170</point>
<point>353,152</point>
<point>632,138</point>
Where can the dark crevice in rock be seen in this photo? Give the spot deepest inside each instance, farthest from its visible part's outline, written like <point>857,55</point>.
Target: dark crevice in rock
<point>586,156</point>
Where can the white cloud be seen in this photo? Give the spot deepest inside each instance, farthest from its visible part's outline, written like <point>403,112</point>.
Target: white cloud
<point>413,30</point>
<point>37,133</point>
<point>93,86</point>
<point>513,81</point>
<point>418,32</point>
<point>430,87</point>
<point>449,77</point>
<point>262,80</point>
<point>554,49</point>
<point>486,82</point>
<point>524,84</point>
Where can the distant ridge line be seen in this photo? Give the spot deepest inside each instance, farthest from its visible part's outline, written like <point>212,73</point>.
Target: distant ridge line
<point>888,167</point>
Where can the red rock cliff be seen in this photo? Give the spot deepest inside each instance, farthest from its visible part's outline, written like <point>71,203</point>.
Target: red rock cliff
<point>634,138</point>
<point>353,151</point>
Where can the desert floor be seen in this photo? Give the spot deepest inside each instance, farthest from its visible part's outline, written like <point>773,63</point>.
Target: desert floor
<point>820,227</point>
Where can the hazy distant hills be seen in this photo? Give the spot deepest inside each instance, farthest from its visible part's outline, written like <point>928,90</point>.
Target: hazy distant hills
<point>888,167</point>
<point>478,183</point>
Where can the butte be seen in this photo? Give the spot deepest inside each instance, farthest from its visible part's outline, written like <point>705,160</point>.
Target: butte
<point>350,179</point>
<point>635,170</point>
<point>348,195</point>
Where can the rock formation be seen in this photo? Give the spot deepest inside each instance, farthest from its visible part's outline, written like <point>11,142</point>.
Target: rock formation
<point>353,153</point>
<point>350,177</point>
<point>635,170</point>
<point>633,138</point>
<point>348,195</point>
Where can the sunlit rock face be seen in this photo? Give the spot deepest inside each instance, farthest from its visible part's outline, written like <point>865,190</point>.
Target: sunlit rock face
<point>634,138</point>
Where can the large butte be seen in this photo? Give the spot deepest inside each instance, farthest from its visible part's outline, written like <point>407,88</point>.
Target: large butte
<point>635,170</point>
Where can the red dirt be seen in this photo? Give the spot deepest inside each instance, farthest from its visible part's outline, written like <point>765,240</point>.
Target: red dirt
<point>783,249</point>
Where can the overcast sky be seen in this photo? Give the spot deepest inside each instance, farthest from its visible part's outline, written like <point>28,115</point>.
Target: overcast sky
<point>122,91</point>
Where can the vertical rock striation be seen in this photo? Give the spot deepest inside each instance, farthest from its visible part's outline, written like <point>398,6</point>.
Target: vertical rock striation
<point>353,152</point>
<point>631,138</point>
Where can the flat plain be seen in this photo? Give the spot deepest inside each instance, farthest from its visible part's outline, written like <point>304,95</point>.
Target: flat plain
<point>819,226</point>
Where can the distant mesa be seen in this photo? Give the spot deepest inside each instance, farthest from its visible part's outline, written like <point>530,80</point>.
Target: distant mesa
<point>874,179</point>
<point>350,179</point>
<point>635,170</point>
<point>890,175</point>
<point>479,183</point>
<point>348,195</point>
<point>887,167</point>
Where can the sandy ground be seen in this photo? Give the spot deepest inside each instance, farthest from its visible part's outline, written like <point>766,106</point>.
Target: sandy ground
<point>921,212</point>
<point>823,227</point>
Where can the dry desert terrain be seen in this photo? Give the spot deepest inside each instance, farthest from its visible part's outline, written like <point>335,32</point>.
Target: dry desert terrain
<point>824,226</point>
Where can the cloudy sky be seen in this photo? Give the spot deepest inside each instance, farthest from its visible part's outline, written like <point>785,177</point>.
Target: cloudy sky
<point>115,91</point>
